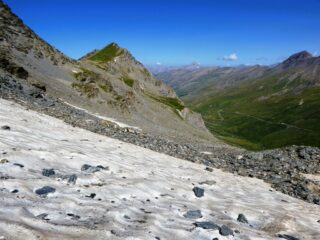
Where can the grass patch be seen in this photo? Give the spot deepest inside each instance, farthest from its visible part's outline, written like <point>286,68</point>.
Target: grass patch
<point>171,102</point>
<point>89,89</point>
<point>128,81</point>
<point>107,54</point>
<point>106,87</point>
<point>85,75</point>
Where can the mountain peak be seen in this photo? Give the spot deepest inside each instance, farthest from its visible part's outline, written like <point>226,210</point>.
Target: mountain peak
<point>298,57</point>
<point>107,53</point>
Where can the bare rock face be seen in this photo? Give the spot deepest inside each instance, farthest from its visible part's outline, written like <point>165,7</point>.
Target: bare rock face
<point>15,35</point>
<point>195,119</point>
<point>13,68</point>
<point>300,56</point>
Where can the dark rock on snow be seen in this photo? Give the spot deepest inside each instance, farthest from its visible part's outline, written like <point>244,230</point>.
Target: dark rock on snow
<point>92,195</point>
<point>45,190</point>
<point>73,216</point>
<point>199,192</point>
<point>48,172</point>
<point>206,225</point>
<point>242,218</point>
<point>72,179</point>
<point>18,165</point>
<point>5,127</point>
<point>43,216</point>
<point>225,231</point>
<point>288,237</point>
<point>90,169</point>
<point>193,214</point>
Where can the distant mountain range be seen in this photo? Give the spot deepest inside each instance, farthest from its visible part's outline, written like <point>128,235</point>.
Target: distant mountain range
<point>159,68</point>
<point>109,82</point>
<point>256,106</point>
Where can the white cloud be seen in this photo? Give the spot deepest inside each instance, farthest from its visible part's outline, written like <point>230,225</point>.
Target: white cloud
<point>231,57</point>
<point>159,63</point>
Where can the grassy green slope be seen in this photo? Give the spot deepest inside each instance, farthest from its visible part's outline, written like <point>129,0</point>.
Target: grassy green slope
<point>174,103</point>
<point>264,113</point>
<point>107,54</point>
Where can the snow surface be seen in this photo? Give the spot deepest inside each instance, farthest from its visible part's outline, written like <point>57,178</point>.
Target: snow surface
<point>143,195</point>
<point>120,124</point>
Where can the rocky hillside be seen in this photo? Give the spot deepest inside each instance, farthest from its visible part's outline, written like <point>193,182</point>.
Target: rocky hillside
<point>193,81</point>
<point>256,107</point>
<point>109,82</point>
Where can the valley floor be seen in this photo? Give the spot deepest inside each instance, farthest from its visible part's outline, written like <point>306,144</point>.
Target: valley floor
<point>129,192</point>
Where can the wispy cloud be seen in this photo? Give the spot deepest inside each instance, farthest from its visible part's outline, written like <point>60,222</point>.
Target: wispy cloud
<point>231,57</point>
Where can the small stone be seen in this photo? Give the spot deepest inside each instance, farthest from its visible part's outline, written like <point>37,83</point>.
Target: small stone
<point>48,172</point>
<point>73,216</point>
<point>288,237</point>
<point>15,191</point>
<point>72,179</point>
<point>2,161</point>
<point>6,127</point>
<point>85,167</point>
<point>225,231</point>
<point>242,218</point>
<point>45,190</point>
<point>193,214</point>
<point>206,225</point>
<point>215,238</point>
<point>209,169</point>
<point>18,165</point>
<point>199,192</point>
<point>90,169</point>
<point>316,201</point>
<point>209,182</point>
<point>43,216</point>
<point>102,167</point>
<point>92,195</point>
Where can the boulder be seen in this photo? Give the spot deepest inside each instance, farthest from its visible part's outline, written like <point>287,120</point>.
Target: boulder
<point>225,231</point>
<point>242,218</point>
<point>193,214</point>
<point>45,190</point>
<point>48,172</point>
<point>6,127</point>
<point>199,192</point>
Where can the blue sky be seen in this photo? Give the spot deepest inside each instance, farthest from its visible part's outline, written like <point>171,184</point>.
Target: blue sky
<point>228,32</point>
